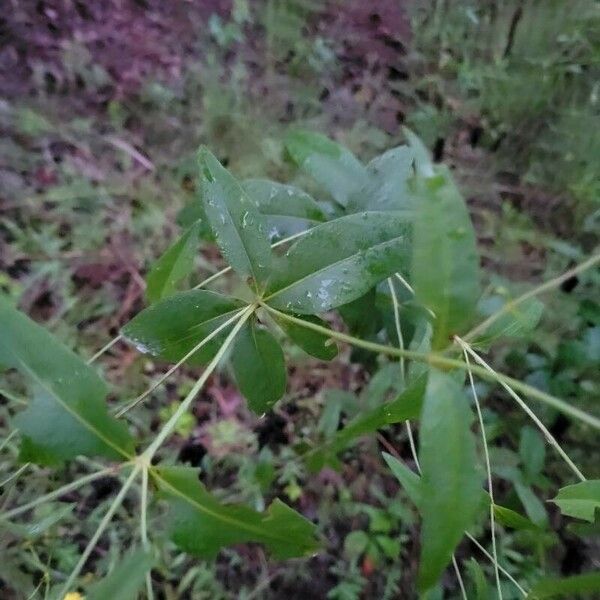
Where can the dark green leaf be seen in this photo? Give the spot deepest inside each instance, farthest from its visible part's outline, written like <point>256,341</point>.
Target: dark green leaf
<point>451,487</point>
<point>331,165</point>
<point>409,480</point>
<point>580,500</point>
<point>68,415</point>
<point>338,261</point>
<point>572,587</point>
<point>238,226</point>
<point>513,519</point>
<point>386,187</point>
<point>479,581</point>
<point>312,342</point>
<point>173,327</point>
<point>125,580</point>
<point>445,269</point>
<point>533,506</point>
<point>287,209</point>
<point>175,264</point>
<point>406,406</point>
<point>532,451</point>
<point>259,367</point>
<point>201,525</point>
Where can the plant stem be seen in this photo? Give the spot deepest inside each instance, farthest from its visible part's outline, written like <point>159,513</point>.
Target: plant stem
<point>544,287</point>
<point>105,349</point>
<point>15,475</point>
<point>116,503</point>
<point>549,437</point>
<point>144,527</point>
<point>488,467</point>
<point>73,485</point>
<point>172,370</point>
<point>438,360</point>
<point>185,404</point>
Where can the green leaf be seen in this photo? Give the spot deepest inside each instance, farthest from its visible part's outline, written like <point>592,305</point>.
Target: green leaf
<point>579,500</point>
<point>514,520</point>
<point>339,261</point>
<point>409,480</point>
<point>517,321</point>
<point>171,328</point>
<point>479,581</point>
<point>423,164</point>
<point>451,487</point>
<point>287,209</point>
<point>312,342</point>
<point>125,580</point>
<point>201,525</point>
<point>445,268</point>
<point>406,406</point>
<point>175,264</point>
<point>330,164</point>
<point>565,588</point>
<point>387,185</point>
<point>532,451</point>
<point>68,415</point>
<point>533,506</point>
<point>259,367</point>
<point>239,228</point>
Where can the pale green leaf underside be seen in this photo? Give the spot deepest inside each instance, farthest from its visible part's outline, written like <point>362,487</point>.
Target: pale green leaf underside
<point>176,263</point>
<point>201,525</point>
<point>339,261</point>
<point>68,415</point>
<point>580,500</point>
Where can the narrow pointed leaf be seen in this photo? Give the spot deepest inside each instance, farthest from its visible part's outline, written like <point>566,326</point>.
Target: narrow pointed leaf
<point>513,519</point>
<point>580,500</point>
<point>68,415</point>
<point>578,586</point>
<point>445,268</point>
<point>406,406</point>
<point>201,525</point>
<point>334,167</point>
<point>287,209</point>
<point>386,187</point>
<point>477,576</point>
<point>239,228</point>
<point>125,580</point>
<point>422,157</point>
<point>339,261</point>
<point>171,328</point>
<point>409,480</point>
<point>176,263</point>
<point>312,342</point>
<point>451,487</point>
<point>259,367</point>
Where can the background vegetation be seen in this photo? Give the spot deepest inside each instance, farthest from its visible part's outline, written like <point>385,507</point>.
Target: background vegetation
<point>103,107</point>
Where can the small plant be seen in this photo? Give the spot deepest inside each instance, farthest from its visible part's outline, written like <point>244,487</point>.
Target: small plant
<point>393,251</point>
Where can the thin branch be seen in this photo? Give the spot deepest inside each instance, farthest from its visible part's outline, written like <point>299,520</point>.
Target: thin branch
<point>187,401</point>
<point>396,307</point>
<point>144,528</point>
<point>488,467</point>
<point>105,348</point>
<point>549,437</point>
<point>544,287</point>
<point>116,503</point>
<point>176,366</point>
<point>73,485</point>
<point>438,360</point>
<point>461,583</point>
<point>15,475</point>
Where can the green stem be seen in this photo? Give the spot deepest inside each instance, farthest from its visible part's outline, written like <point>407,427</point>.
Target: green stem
<point>187,401</point>
<point>438,360</point>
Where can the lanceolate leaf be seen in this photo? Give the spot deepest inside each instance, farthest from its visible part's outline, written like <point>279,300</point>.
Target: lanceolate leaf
<point>171,328</point>
<point>406,406</point>
<point>445,267</point>
<point>386,187</point>
<point>259,367</point>
<point>68,415</point>
<point>339,261</point>
<point>331,165</point>
<point>513,519</point>
<point>175,264</point>
<point>125,580</point>
<point>578,586</point>
<point>580,500</point>
<point>201,525</point>
<point>313,343</point>
<point>238,226</point>
<point>409,480</point>
<point>288,210</point>
<point>451,490</point>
